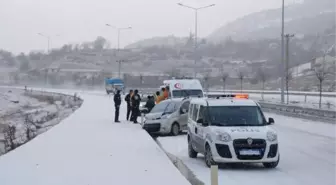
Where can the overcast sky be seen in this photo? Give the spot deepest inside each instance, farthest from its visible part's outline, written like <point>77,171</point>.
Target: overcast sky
<point>83,20</point>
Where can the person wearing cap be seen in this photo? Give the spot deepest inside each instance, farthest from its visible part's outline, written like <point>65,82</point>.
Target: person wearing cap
<point>117,103</point>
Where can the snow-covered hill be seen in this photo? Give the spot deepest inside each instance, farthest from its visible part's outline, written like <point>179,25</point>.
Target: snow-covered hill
<point>308,18</point>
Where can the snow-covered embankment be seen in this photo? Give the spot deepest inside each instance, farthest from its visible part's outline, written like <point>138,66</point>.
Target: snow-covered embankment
<point>26,114</point>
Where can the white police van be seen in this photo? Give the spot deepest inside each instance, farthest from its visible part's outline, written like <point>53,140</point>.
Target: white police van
<point>231,130</point>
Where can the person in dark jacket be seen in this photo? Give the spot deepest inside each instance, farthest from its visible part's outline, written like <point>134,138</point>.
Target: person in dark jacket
<point>117,102</point>
<point>128,101</point>
<point>150,103</point>
<point>135,100</point>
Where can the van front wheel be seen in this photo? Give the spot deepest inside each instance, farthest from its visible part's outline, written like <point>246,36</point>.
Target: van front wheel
<point>175,129</point>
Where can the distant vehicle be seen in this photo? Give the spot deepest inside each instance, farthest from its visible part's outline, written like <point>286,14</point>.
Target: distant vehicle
<point>231,130</point>
<point>182,88</point>
<point>168,117</point>
<point>114,84</point>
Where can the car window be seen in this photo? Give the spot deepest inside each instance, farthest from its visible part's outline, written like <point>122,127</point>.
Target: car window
<point>195,112</point>
<point>172,107</point>
<point>160,107</point>
<point>201,112</point>
<point>185,105</point>
<point>191,108</point>
<point>187,92</point>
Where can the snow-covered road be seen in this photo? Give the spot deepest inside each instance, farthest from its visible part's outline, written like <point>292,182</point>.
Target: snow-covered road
<point>307,156</point>
<point>87,148</point>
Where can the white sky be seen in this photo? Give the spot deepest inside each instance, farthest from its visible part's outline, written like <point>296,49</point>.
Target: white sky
<point>83,20</point>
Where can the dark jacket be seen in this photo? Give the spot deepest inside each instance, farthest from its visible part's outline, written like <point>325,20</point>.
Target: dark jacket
<point>128,99</point>
<point>117,99</point>
<point>136,100</point>
<point>150,104</point>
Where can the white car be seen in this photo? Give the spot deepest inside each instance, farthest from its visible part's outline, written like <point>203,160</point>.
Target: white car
<point>231,130</point>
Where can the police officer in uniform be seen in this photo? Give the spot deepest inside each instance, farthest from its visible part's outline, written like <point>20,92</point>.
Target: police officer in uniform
<point>117,103</point>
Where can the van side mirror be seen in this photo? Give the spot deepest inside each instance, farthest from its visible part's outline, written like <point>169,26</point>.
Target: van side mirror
<point>202,122</point>
<point>199,121</point>
<point>271,121</point>
<point>183,111</point>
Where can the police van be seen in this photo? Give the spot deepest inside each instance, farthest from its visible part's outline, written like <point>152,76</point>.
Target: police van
<point>182,88</point>
<point>231,129</point>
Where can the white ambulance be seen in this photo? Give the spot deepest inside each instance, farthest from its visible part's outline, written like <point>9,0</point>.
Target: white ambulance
<point>184,88</point>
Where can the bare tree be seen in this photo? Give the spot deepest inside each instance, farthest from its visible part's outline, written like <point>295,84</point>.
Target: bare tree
<point>241,76</point>
<point>321,75</point>
<point>262,77</point>
<point>225,76</point>
<point>10,137</point>
<point>206,78</point>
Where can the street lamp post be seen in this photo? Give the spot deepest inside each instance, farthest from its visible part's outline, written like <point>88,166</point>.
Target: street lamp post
<point>118,45</point>
<point>195,44</point>
<point>48,39</point>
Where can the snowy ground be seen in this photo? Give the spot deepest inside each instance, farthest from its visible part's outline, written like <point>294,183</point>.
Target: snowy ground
<point>30,113</point>
<point>87,148</point>
<point>307,156</point>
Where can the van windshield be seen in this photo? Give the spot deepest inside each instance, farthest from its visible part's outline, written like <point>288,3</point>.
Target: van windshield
<point>187,92</point>
<point>236,116</point>
<point>167,107</point>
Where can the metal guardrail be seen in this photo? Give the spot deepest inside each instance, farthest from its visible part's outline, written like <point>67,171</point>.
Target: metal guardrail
<point>297,111</point>
<point>302,112</point>
<point>325,94</point>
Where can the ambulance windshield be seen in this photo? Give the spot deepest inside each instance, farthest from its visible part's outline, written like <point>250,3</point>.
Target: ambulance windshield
<point>187,92</point>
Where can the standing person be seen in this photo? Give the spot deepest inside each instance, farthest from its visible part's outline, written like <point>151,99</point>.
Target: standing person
<point>128,101</point>
<point>150,103</point>
<point>135,100</point>
<point>117,102</point>
<point>166,93</point>
<point>161,97</point>
<point>157,96</point>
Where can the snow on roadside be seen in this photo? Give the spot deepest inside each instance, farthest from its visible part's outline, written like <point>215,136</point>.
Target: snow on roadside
<point>34,113</point>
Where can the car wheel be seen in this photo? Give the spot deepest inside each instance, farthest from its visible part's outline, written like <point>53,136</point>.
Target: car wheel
<point>272,164</point>
<point>191,152</point>
<point>175,129</point>
<point>208,157</point>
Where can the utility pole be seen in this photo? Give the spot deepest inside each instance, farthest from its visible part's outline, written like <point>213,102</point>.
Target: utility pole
<point>195,42</point>
<point>119,61</point>
<point>282,53</point>
<point>288,37</point>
